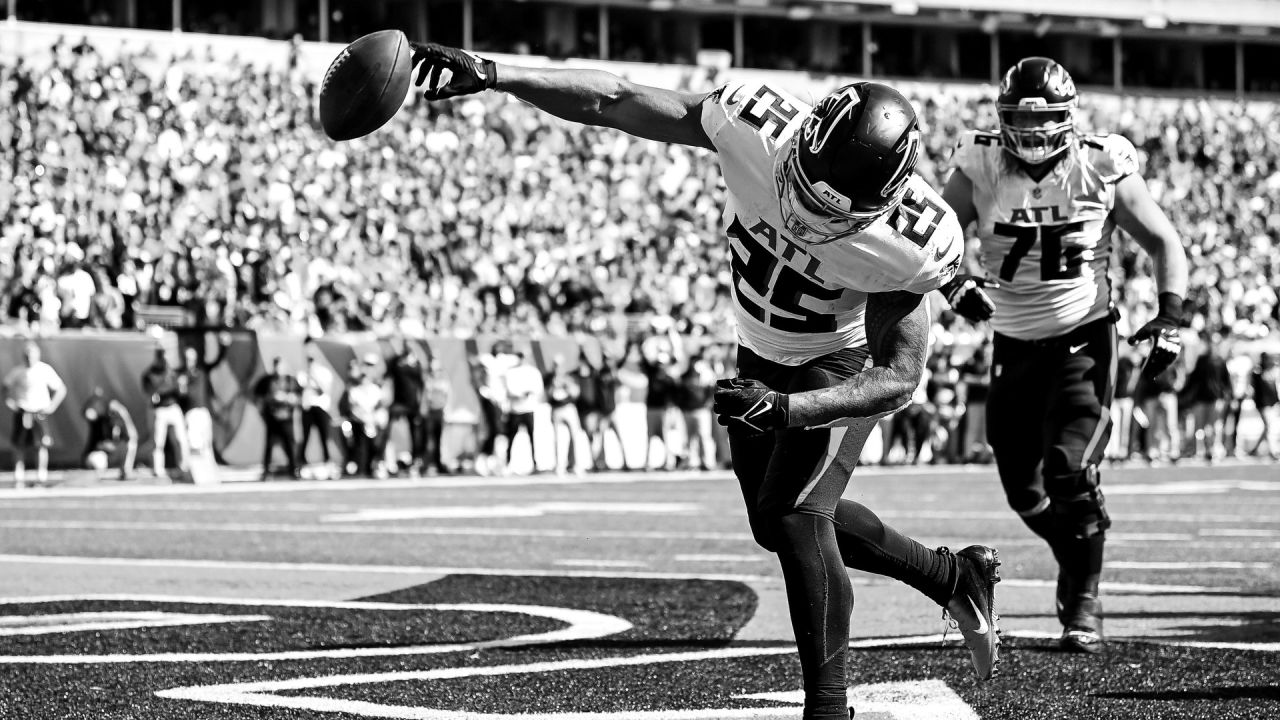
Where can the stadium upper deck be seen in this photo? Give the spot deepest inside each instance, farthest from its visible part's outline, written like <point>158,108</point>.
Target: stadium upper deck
<point>1181,45</point>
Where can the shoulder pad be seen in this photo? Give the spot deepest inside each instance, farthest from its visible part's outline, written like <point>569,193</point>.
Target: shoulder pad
<point>1113,155</point>
<point>972,149</point>
<point>754,107</point>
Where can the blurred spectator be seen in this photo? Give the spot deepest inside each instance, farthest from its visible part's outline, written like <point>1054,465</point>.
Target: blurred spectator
<point>633,389</point>
<point>563,391</point>
<point>597,403</point>
<point>33,391</point>
<point>112,436</point>
<point>1265,383</point>
<point>525,393</point>
<point>196,392</point>
<point>76,288</point>
<point>436,394</point>
<point>408,381</point>
<point>975,379</point>
<point>1158,398</point>
<point>912,426</point>
<point>316,381</point>
<point>1208,388</point>
<point>278,395</point>
<point>1128,365</point>
<point>660,355</point>
<point>1240,370</point>
<point>693,398</point>
<point>488,375</point>
<point>365,408</point>
<point>161,384</point>
<point>943,388</point>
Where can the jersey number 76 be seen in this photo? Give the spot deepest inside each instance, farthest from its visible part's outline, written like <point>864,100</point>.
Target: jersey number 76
<point>1057,261</point>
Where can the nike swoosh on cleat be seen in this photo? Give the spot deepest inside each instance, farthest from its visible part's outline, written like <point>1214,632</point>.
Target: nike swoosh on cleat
<point>982,619</point>
<point>1077,348</point>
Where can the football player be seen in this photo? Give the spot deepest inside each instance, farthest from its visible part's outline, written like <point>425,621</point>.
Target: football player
<point>1046,198</point>
<point>834,242</point>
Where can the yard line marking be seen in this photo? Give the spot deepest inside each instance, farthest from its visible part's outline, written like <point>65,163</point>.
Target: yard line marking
<point>305,529</point>
<point>375,569</point>
<point>450,482</point>
<point>1192,487</point>
<point>1259,647</point>
<point>1129,517</point>
<point>1147,538</point>
<point>1207,565</point>
<point>533,509</point>
<point>1129,588</point>
<point>1239,532</point>
<point>127,504</point>
<point>587,563</point>
<point>711,558</point>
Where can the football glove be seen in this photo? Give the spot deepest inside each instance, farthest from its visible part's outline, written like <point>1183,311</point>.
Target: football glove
<point>444,72</point>
<point>966,295</point>
<point>749,404</point>
<point>1162,331</point>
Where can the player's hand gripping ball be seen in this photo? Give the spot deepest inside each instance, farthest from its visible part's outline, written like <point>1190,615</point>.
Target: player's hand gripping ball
<point>444,72</point>
<point>366,85</point>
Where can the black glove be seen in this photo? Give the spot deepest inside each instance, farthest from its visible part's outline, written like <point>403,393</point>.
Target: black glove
<point>1163,332</point>
<point>966,295</point>
<point>445,72</point>
<point>749,404</point>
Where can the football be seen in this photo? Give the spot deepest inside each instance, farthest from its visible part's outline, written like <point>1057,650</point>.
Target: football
<point>365,85</point>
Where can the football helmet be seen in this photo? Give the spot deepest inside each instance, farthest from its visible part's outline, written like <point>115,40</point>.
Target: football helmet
<point>849,162</point>
<point>1036,104</point>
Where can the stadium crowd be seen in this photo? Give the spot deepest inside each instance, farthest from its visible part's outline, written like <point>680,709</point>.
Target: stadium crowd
<point>138,183</point>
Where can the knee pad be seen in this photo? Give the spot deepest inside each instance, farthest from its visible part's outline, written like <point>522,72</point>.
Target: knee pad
<point>1077,502</point>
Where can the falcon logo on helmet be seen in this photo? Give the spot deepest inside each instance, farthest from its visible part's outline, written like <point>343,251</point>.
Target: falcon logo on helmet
<point>1036,104</point>
<point>849,164</point>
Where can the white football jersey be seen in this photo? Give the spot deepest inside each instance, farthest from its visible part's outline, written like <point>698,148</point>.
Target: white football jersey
<point>1048,243</point>
<point>795,301</point>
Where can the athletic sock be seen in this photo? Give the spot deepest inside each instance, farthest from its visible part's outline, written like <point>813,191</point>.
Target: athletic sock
<point>867,544</point>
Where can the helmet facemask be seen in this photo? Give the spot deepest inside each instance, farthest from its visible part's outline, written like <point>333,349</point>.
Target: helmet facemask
<point>1037,132</point>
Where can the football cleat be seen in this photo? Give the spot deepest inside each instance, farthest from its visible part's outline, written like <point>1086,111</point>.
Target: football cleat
<point>972,607</point>
<point>1080,612</point>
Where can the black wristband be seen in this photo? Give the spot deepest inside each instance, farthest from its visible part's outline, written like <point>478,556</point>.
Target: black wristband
<point>784,409</point>
<point>1170,307</point>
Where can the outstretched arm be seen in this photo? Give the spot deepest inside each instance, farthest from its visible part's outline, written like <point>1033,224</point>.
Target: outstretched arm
<point>590,97</point>
<point>596,97</point>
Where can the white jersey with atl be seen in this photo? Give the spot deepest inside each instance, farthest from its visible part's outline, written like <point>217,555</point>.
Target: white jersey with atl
<point>796,301</point>
<point>1048,242</point>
